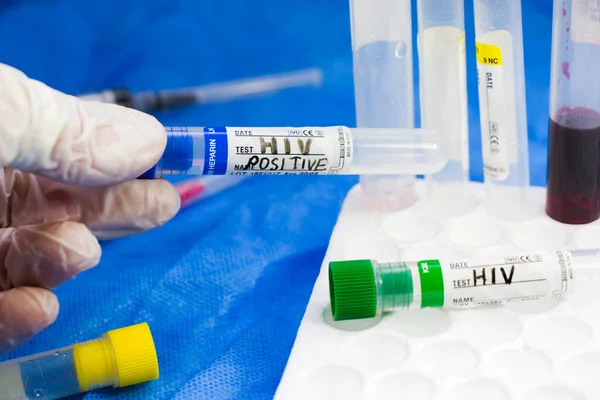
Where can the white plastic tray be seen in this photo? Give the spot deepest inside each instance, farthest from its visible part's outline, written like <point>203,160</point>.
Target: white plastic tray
<point>541,350</point>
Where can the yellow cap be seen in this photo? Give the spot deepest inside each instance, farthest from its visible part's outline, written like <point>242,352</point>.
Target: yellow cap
<point>122,357</point>
<point>135,354</point>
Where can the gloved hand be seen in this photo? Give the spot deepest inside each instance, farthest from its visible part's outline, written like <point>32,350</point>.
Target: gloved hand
<point>68,179</point>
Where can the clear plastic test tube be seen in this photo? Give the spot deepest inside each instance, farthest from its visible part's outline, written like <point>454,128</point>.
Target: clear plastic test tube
<point>367,288</point>
<point>298,151</point>
<point>573,187</point>
<point>502,106</point>
<point>443,95</point>
<point>383,86</point>
<point>120,358</point>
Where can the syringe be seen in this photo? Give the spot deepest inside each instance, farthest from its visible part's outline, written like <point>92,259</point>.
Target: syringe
<point>367,289</point>
<point>193,190</point>
<point>120,358</point>
<point>298,151</point>
<point>219,92</point>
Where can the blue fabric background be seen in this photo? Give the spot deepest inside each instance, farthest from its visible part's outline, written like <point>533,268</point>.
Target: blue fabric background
<point>225,285</point>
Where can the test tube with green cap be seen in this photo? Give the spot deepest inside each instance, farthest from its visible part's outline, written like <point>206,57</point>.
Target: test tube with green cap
<point>367,289</point>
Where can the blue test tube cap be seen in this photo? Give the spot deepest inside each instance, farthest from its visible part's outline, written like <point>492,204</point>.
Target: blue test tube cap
<point>179,153</point>
<point>150,174</point>
<point>178,157</point>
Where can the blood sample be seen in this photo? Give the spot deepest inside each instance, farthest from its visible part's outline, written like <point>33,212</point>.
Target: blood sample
<point>573,189</point>
<point>573,186</point>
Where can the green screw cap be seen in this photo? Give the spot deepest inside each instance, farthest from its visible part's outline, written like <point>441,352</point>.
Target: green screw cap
<point>352,290</point>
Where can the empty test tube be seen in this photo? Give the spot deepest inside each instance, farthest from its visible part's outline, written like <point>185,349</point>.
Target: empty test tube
<point>120,358</point>
<point>443,94</point>
<point>298,151</point>
<point>383,86</point>
<point>502,106</point>
<point>573,189</point>
<point>367,289</point>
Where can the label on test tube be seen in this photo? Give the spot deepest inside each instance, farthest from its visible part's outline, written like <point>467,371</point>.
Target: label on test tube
<point>496,125</point>
<point>277,151</point>
<point>492,280</point>
<point>585,21</point>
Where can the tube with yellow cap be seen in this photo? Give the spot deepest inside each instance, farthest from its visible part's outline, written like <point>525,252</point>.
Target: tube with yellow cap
<point>122,357</point>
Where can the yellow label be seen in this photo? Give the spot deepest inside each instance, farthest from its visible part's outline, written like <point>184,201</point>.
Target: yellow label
<point>462,38</point>
<point>488,54</point>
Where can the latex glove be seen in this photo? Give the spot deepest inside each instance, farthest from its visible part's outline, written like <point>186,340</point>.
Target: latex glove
<point>69,170</point>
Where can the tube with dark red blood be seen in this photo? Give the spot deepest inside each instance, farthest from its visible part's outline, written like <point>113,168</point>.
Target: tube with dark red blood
<point>573,186</point>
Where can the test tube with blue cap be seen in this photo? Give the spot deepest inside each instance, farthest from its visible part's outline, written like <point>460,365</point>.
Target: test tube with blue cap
<point>335,150</point>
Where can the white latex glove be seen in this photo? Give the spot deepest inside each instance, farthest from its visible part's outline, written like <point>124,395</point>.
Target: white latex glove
<point>68,179</point>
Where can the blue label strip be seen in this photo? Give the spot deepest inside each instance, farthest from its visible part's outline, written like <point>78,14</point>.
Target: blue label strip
<point>215,150</point>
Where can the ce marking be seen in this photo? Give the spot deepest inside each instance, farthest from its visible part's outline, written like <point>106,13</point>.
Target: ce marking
<point>493,134</point>
<point>307,132</point>
<point>529,258</point>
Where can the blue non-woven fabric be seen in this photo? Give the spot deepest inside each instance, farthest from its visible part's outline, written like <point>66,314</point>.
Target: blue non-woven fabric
<point>225,284</point>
